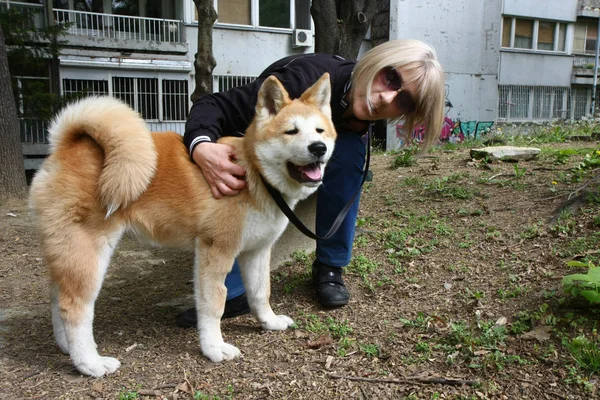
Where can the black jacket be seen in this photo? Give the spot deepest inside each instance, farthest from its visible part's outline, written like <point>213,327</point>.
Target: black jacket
<point>230,113</point>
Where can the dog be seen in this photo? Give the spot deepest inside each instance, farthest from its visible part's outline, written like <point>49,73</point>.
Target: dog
<point>108,174</point>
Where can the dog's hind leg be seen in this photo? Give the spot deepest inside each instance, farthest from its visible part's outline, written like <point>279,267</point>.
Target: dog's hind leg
<point>78,263</point>
<point>255,267</point>
<point>211,267</point>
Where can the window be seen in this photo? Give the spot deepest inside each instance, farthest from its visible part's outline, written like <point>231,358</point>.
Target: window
<point>523,103</point>
<point>174,95</point>
<point>234,12</point>
<point>259,13</point>
<point>85,87</point>
<point>524,34</point>
<point>274,13</point>
<point>170,103</point>
<point>535,35</point>
<point>506,31</point>
<point>586,34</point>
<point>546,36</point>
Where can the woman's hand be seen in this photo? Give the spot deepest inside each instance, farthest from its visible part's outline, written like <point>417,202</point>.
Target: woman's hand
<point>224,177</point>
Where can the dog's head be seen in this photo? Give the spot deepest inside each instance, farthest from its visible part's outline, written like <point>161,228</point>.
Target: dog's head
<point>293,139</point>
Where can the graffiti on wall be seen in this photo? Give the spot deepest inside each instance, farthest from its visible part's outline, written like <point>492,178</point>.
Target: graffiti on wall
<point>453,131</point>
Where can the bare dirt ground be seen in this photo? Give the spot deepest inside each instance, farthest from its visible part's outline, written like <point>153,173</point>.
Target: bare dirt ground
<point>456,294</point>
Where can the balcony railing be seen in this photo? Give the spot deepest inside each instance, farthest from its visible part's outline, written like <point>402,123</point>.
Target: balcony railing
<point>120,26</point>
<point>586,62</point>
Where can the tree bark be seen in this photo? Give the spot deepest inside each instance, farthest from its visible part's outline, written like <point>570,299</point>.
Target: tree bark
<point>341,25</point>
<point>12,171</point>
<point>204,62</point>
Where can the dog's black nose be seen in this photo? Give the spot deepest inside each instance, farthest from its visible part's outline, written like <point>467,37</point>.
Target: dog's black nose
<point>317,148</point>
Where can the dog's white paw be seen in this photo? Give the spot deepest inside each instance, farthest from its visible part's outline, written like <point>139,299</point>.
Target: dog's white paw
<point>98,366</point>
<point>277,323</point>
<point>220,351</point>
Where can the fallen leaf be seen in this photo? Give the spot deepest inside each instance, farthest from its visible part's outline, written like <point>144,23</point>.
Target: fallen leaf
<point>97,387</point>
<point>501,321</point>
<point>541,334</point>
<point>184,387</point>
<point>320,342</point>
<point>328,362</point>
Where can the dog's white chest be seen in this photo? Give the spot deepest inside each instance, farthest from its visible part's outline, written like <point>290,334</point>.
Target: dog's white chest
<point>262,230</point>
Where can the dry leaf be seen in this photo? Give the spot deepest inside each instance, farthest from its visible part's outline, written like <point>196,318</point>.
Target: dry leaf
<point>320,342</point>
<point>97,387</point>
<point>184,387</point>
<point>328,362</point>
<point>541,334</point>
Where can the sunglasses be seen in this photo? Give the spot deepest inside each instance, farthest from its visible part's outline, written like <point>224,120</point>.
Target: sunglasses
<point>393,81</point>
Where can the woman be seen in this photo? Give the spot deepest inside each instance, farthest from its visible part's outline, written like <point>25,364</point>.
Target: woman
<point>397,80</point>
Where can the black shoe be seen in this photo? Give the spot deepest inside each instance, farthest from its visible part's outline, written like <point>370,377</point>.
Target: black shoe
<point>233,308</point>
<point>329,285</point>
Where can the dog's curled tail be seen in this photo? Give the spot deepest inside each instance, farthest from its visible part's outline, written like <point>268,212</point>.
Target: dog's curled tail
<point>129,153</point>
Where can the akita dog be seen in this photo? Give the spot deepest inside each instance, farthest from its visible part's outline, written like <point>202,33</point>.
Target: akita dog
<point>107,174</point>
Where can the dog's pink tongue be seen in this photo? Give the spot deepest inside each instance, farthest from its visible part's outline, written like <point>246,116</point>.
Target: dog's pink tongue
<point>312,171</point>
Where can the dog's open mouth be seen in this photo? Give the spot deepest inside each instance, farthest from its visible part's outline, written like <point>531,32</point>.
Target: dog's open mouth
<point>310,173</point>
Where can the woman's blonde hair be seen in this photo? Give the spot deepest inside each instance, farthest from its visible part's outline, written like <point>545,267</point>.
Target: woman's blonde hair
<point>419,67</point>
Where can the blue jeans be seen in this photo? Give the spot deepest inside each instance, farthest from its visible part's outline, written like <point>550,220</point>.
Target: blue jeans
<point>341,181</point>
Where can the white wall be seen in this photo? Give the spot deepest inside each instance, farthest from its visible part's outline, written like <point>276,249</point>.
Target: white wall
<point>561,10</point>
<point>518,68</point>
<point>466,36</point>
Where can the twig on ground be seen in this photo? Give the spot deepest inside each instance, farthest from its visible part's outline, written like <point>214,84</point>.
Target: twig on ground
<point>501,174</point>
<point>412,379</point>
<point>587,253</point>
<point>588,183</point>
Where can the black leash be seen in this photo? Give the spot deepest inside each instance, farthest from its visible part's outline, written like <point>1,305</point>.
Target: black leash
<point>278,198</point>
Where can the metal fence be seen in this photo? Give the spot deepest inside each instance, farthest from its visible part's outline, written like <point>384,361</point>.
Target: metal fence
<point>222,83</point>
<point>120,26</point>
<point>543,103</point>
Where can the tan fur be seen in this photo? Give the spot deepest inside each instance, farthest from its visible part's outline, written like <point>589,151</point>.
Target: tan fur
<point>108,173</point>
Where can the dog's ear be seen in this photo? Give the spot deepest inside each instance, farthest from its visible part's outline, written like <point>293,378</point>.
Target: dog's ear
<point>319,95</point>
<point>272,97</point>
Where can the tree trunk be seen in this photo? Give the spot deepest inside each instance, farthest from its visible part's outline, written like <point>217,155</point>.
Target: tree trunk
<point>204,61</point>
<point>12,172</point>
<point>341,25</point>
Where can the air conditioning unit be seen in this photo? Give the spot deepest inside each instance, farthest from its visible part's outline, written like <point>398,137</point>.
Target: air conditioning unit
<point>302,38</point>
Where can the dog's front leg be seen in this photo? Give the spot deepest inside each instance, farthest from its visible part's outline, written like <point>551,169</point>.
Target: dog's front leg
<point>255,267</point>
<point>211,268</point>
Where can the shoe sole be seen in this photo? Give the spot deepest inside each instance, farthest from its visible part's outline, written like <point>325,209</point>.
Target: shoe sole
<point>334,303</point>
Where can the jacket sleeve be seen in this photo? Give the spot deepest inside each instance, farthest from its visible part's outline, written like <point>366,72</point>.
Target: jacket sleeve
<point>221,114</point>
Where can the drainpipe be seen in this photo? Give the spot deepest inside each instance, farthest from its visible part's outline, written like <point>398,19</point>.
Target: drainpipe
<point>596,71</point>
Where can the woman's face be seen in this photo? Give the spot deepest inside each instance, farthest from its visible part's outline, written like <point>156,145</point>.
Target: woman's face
<point>390,95</point>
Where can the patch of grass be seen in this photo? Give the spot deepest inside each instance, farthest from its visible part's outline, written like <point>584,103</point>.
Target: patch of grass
<point>336,329</point>
<point>344,345</point>
<point>410,181</point>
<point>363,267</point>
<point>512,292</point>
<point>405,158</point>
<point>128,394</point>
<point>564,224</point>
<point>485,336</point>
<point>532,231</point>
<point>370,349</point>
<point>443,187</point>
<point>421,321</point>
<point>585,351</point>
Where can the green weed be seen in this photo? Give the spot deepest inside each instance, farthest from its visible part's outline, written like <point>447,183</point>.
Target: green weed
<point>585,351</point>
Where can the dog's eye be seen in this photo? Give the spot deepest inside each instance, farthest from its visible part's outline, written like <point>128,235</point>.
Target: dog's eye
<point>292,131</point>
<point>319,130</point>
